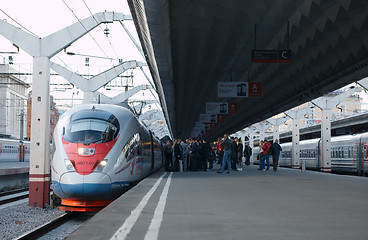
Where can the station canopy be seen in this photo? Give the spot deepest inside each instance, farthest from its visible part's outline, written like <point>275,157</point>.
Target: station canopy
<point>192,45</point>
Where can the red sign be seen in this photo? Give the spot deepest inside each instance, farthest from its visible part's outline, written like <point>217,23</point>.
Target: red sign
<point>232,108</point>
<point>220,118</point>
<point>254,89</point>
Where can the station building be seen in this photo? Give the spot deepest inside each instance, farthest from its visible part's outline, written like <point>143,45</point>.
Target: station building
<point>13,98</point>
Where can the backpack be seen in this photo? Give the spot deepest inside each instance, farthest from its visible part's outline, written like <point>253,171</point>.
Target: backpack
<point>270,151</point>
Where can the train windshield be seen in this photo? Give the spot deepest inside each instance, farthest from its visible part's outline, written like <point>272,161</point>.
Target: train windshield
<point>91,126</point>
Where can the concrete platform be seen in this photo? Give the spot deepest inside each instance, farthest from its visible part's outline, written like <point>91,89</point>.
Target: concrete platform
<point>251,204</point>
<point>13,175</point>
<point>9,168</point>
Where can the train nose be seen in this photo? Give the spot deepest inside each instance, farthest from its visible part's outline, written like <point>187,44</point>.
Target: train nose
<point>94,185</point>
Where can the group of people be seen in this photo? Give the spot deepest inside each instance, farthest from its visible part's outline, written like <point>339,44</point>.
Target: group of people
<point>230,153</point>
<point>199,155</point>
<point>265,150</point>
<point>195,154</point>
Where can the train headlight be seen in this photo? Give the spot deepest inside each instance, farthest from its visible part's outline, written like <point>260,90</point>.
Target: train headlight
<point>102,165</point>
<point>68,164</point>
<point>86,151</point>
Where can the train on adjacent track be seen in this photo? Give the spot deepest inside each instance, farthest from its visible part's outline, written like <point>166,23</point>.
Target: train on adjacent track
<point>99,151</point>
<point>349,154</point>
<point>12,150</point>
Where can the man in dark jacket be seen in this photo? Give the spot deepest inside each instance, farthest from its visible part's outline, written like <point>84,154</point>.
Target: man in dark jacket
<point>194,156</point>
<point>276,148</point>
<point>247,153</point>
<point>177,155</point>
<point>205,152</point>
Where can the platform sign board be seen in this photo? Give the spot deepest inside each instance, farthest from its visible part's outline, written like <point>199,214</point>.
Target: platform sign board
<point>233,108</point>
<point>271,56</point>
<point>207,118</point>
<point>255,89</point>
<point>312,122</point>
<point>220,118</point>
<point>216,108</point>
<point>232,89</point>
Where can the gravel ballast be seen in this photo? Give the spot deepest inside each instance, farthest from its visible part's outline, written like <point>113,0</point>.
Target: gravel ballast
<point>18,219</point>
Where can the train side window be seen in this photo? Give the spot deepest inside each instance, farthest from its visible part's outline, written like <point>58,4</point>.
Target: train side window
<point>352,151</point>
<point>365,152</point>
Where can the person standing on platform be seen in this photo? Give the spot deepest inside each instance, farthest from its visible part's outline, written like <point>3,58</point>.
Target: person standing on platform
<point>194,155</point>
<point>234,154</point>
<point>177,155</point>
<point>228,145</point>
<point>276,149</point>
<point>240,155</point>
<point>247,154</point>
<point>168,155</point>
<point>185,148</point>
<point>206,152</point>
<point>220,151</point>
<point>211,160</point>
<point>266,156</point>
<point>260,156</point>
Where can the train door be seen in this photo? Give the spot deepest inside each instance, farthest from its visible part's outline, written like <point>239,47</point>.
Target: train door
<point>152,152</point>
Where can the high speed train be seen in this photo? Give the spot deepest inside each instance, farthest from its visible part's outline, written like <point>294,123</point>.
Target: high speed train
<point>348,154</point>
<point>98,152</point>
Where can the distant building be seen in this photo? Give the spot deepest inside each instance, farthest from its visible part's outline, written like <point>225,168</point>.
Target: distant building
<point>13,97</point>
<point>54,116</point>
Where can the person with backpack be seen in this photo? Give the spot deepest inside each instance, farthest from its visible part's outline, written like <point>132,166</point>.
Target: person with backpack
<point>266,156</point>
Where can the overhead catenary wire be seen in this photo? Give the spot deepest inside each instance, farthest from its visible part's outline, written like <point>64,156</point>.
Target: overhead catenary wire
<point>19,24</point>
<point>112,47</point>
<point>98,45</point>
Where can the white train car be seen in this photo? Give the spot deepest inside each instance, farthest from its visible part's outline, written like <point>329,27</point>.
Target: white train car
<point>348,154</point>
<point>99,151</point>
<point>12,150</point>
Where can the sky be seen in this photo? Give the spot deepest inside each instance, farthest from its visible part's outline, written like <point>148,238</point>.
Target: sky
<point>44,17</point>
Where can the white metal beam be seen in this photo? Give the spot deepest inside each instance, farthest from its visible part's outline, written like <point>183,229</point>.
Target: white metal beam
<point>54,43</point>
<point>124,95</point>
<point>95,82</point>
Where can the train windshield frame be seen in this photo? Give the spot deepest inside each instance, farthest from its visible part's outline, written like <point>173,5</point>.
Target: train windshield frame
<point>91,126</point>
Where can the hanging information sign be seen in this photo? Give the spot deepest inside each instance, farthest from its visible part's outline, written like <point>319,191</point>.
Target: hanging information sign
<point>232,89</point>
<point>271,56</point>
<point>216,108</point>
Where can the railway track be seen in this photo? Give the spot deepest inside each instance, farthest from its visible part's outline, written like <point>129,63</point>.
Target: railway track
<point>48,227</point>
<point>12,196</point>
